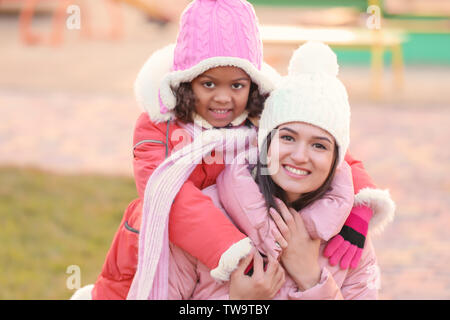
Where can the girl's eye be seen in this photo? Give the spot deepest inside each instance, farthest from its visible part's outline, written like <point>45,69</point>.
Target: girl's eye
<point>208,84</point>
<point>287,138</point>
<point>237,85</point>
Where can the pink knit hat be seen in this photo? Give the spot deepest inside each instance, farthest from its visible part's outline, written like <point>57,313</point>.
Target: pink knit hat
<point>212,33</point>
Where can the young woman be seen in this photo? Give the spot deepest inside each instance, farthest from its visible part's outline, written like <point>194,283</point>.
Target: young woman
<point>303,137</point>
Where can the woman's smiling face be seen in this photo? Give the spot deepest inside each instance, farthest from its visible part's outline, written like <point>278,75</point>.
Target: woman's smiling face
<point>300,157</point>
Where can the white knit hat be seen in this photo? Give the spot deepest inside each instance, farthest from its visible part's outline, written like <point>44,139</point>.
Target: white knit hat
<point>310,93</point>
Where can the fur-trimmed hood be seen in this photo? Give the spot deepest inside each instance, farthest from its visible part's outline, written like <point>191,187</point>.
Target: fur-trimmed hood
<point>154,80</point>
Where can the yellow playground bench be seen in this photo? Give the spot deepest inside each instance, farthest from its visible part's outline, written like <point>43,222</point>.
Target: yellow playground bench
<point>376,41</point>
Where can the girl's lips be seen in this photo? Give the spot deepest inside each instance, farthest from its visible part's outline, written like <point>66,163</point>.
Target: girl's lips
<point>220,113</point>
<point>295,172</point>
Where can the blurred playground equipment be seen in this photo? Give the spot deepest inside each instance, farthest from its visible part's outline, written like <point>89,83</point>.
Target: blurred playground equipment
<point>418,15</point>
<point>59,9</point>
<point>59,15</point>
<point>380,28</point>
<point>376,26</point>
<point>377,41</point>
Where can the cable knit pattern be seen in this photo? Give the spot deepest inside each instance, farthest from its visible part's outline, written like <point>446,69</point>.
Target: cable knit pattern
<point>217,28</point>
<point>182,43</point>
<point>228,34</point>
<point>215,33</point>
<point>247,33</point>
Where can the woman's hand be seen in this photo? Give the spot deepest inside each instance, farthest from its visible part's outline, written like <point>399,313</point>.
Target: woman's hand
<point>261,285</point>
<point>300,256</point>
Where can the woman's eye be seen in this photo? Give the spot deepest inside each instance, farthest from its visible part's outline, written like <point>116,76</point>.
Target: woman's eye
<point>319,146</point>
<point>208,84</point>
<point>237,85</point>
<point>287,138</point>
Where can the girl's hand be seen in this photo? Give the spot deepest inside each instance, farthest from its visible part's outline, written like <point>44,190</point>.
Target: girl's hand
<point>300,256</point>
<point>261,285</point>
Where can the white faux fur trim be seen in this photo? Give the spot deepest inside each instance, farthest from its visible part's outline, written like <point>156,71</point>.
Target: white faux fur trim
<point>229,260</point>
<point>84,293</point>
<point>173,79</point>
<point>382,205</point>
<point>155,79</point>
<point>148,82</point>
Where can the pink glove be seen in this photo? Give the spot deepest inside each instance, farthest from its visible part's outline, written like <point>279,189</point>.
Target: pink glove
<point>347,246</point>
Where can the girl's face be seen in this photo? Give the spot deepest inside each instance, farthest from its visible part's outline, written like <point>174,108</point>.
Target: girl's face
<point>221,94</point>
<point>300,157</point>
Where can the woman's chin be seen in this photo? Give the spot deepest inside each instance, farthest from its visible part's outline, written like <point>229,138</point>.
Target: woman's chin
<point>293,193</point>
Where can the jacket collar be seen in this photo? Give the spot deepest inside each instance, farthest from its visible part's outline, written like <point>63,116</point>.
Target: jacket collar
<point>200,121</point>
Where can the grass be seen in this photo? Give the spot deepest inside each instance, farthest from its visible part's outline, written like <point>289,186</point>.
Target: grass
<point>51,221</point>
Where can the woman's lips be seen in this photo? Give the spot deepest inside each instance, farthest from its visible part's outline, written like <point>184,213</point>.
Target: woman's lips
<point>295,172</point>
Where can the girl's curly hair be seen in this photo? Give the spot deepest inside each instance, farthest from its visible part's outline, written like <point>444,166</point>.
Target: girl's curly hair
<point>185,98</point>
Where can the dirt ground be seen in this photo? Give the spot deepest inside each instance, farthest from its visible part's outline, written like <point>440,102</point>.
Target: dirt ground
<point>71,109</point>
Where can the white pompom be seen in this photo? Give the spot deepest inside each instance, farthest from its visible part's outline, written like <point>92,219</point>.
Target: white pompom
<point>313,57</point>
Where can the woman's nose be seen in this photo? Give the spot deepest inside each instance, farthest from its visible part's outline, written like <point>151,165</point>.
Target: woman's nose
<point>299,154</point>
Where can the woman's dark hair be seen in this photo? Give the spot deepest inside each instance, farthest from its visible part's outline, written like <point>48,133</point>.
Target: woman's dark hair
<point>270,189</point>
<point>185,102</point>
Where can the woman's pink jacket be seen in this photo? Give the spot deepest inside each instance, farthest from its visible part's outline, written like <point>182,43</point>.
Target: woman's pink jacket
<point>238,196</point>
